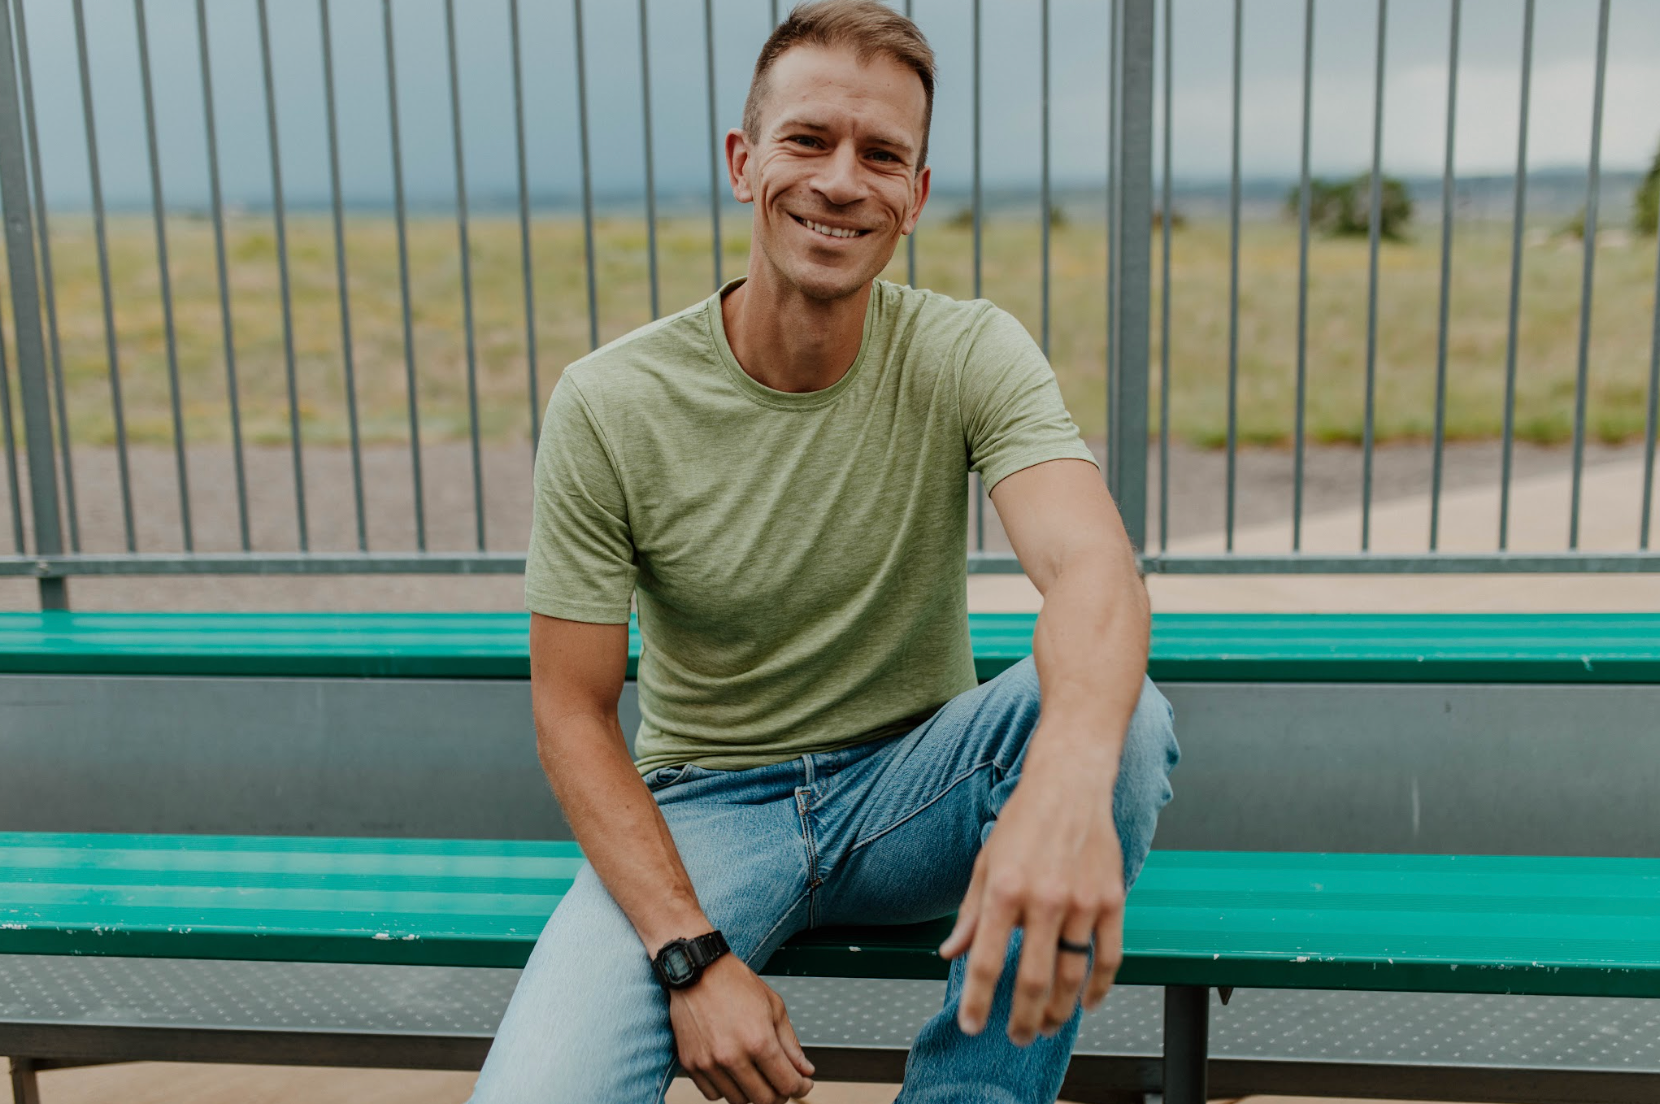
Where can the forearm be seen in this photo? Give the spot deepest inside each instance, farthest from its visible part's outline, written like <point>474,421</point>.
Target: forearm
<point>620,828</point>
<point>1090,647</point>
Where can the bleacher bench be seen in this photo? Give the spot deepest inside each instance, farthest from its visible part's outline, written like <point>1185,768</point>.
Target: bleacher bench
<point>1325,928</point>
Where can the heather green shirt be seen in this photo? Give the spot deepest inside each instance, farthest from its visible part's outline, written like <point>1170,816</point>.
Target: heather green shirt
<point>797,559</point>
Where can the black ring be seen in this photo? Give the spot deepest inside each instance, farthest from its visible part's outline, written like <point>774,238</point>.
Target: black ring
<point>1075,948</point>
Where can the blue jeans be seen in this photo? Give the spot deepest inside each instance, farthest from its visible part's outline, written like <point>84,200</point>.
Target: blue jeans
<point>885,832</point>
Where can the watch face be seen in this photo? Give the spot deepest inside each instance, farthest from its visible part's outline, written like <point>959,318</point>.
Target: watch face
<point>677,965</point>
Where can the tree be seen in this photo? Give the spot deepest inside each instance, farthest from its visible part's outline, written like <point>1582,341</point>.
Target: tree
<point>1648,199</point>
<point>1343,208</point>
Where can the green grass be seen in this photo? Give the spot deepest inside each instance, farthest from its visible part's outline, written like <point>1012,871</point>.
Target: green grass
<point>1406,333</point>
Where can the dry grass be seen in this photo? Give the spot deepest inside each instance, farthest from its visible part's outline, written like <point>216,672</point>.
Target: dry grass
<point>1406,346</point>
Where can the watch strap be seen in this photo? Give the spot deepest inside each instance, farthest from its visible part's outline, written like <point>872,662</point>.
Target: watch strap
<point>706,948</point>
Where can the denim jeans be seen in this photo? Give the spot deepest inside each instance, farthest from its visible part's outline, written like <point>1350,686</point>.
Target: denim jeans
<point>884,832</point>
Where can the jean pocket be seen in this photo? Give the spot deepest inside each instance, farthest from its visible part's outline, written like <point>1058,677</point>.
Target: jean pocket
<point>664,777</point>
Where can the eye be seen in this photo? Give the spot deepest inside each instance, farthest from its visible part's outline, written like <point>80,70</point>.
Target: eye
<point>806,140</point>
<point>884,155</point>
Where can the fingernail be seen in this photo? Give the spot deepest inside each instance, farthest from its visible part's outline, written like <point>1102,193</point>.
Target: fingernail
<point>968,1026</point>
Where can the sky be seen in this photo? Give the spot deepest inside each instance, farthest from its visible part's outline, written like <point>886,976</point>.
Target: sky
<point>1345,44</point>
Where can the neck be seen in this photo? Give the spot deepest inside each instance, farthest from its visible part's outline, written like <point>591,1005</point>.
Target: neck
<point>788,342</point>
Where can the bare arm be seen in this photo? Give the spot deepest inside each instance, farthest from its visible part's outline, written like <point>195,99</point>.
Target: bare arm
<point>1054,866</point>
<point>576,678</point>
<point>731,1031</point>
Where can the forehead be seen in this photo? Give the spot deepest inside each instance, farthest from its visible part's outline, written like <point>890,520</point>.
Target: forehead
<point>833,87</point>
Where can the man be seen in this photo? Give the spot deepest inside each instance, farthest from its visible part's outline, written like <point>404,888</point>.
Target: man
<point>777,476</point>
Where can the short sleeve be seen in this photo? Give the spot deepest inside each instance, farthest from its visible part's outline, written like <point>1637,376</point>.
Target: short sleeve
<point>1013,415</point>
<point>581,564</point>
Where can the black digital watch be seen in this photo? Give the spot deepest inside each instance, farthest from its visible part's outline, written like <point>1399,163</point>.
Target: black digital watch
<point>681,961</point>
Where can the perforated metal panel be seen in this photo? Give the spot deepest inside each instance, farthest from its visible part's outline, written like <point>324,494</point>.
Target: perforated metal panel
<point>1552,1033</point>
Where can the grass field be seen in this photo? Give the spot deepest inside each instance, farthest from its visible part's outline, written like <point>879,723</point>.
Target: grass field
<point>1621,335</point>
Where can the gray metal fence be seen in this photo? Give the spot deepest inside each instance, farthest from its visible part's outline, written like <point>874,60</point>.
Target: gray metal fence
<point>1137,63</point>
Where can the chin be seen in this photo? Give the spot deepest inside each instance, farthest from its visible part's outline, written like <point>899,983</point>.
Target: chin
<point>828,284</point>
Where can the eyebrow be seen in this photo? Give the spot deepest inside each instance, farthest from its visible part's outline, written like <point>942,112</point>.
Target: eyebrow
<point>792,122</point>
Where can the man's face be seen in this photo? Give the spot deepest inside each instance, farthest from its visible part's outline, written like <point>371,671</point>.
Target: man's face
<point>833,172</point>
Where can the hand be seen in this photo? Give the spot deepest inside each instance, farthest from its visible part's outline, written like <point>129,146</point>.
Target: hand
<point>734,1039</point>
<point>1053,867</point>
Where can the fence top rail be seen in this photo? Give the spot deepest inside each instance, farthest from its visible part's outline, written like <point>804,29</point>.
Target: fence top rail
<point>1210,647</point>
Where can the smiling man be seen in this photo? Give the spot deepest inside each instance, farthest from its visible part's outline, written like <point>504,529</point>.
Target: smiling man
<point>777,477</point>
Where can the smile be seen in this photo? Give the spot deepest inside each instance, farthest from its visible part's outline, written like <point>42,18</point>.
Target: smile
<point>829,231</point>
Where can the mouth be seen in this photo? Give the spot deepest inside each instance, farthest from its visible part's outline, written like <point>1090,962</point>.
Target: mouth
<point>825,230</point>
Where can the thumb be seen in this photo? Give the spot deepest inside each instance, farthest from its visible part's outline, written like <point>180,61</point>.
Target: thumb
<point>791,1044</point>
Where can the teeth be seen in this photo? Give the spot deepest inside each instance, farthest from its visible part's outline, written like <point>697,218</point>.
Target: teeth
<point>831,231</point>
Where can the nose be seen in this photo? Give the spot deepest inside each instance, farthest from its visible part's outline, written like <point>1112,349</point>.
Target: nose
<point>838,179</point>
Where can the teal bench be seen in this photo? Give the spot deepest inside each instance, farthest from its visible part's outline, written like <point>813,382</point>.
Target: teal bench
<point>1196,920</point>
<point>1412,923</point>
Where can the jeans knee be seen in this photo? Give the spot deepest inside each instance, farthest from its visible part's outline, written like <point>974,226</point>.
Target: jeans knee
<point>1143,787</point>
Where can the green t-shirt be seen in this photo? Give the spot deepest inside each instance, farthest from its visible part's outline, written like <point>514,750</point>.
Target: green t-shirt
<point>797,558</point>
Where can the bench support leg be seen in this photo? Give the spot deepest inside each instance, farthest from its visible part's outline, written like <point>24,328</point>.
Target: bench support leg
<point>25,1089</point>
<point>1186,1043</point>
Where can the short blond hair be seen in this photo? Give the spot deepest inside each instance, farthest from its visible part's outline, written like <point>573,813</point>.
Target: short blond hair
<point>867,27</point>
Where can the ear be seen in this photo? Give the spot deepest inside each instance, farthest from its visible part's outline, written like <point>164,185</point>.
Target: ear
<point>737,164</point>
<point>924,182</point>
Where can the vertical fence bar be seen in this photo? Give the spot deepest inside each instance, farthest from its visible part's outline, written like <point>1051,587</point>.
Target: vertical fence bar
<point>13,488</point>
<point>48,286</point>
<point>978,209</point>
<point>1653,412</point>
<point>31,349</point>
<point>226,325</point>
<point>279,220</point>
<point>401,219</point>
<point>1516,227</point>
<point>588,178</point>
<point>1300,439</point>
<point>977,199</point>
<point>714,137</point>
<point>95,177</point>
<point>1114,95</point>
<point>1132,256</point>
<point>464,242</point>
<point>526,262</point>
<point>1045,204</point>
<point>650,164</point>
<point>1164,290</point>
<point>1375,224</point>
<point>910,239</point>
<point>348,360</point>
<point>1233,276</point>
<point>1592,188</point>
<point>1446,281</point>
<point>163,270</point>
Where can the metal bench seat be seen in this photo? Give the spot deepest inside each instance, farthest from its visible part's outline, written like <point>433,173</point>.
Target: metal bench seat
<point>1248,647</point>
<point>1525,1049</point>
<point>1425,923</point>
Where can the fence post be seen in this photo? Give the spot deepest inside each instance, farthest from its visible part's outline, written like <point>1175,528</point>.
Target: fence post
<point>31,348</point>
<point>1130,258</point>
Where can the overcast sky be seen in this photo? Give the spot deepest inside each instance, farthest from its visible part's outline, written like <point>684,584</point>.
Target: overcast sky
<point>1345,45</point>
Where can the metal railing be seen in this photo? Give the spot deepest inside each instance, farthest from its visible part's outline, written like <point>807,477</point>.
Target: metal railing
<point>1138,62</point>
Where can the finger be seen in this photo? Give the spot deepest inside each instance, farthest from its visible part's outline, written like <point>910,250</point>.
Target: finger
<point>1109,952</point>
<point>1071,972</point>
<point>986,956</point>
<point>782,1074</point>
<point>727,1088</point>
<point>963,930</point>
<point>792,1045</point>
<point>704,1085</point>
<point>1035,976</point>
<point>751,1081</point>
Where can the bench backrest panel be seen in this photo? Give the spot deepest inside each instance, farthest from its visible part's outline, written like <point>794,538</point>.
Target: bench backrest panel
<point>1441,768</point>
